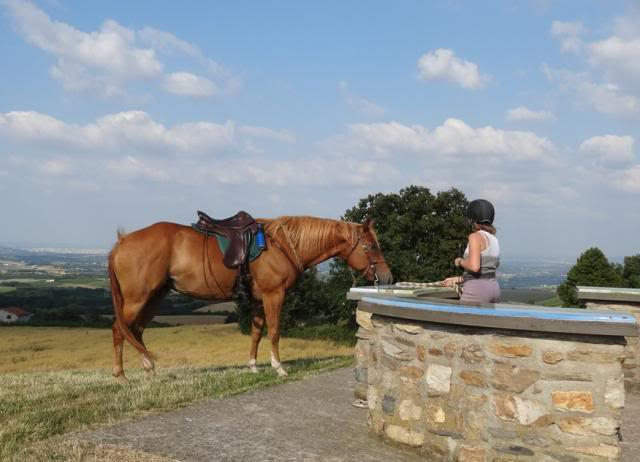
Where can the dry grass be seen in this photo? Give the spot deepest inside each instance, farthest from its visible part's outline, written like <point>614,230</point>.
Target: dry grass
<point>73,450</point>
<point>30,349</point>
<point>54,381</point>
<point>35,407</point>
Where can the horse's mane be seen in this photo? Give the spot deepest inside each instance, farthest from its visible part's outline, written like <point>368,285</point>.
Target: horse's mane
<point>311,233</point>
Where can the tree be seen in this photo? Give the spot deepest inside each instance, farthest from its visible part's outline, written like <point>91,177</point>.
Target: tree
<point>591,269</point>
<point>631,271</point>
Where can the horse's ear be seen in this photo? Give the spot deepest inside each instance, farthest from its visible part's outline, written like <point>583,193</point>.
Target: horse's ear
<point>368,223</point>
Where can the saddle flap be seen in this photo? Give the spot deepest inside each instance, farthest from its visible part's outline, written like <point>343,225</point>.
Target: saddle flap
<point>238,249</point>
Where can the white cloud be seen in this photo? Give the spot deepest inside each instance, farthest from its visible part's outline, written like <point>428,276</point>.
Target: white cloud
<point>609,148</point>
<point>612,85</point>
<point>570,35</point>
<point>285,136</point>
<point>522,113</point>
<point>443,64</point>
<point>453,138</point>
<point>168,43</point>
<point>360,105</point>
<point>130,132</point>
<point>607,98</point>
<point>131,167</point>
<point>187,84</point>
<point>56,166</point>
<point>105,61</point>
<point>320,171</point>
<point>619,57</point>
<point>629,180</point>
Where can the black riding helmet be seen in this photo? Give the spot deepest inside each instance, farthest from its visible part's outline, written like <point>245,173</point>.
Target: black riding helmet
<point>481,211</point>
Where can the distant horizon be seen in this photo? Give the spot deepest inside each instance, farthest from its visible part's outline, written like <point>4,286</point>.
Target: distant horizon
<point>56,248</point>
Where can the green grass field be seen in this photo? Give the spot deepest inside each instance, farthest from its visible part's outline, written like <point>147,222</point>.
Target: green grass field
<point>57,380</point>
<point>553,301</point>
<point>87,282</point>
<point>6,289</point>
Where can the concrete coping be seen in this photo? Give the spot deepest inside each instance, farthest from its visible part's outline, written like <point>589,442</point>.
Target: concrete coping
<point>356,293</point>
<point>609,294</point>
<point>502,315</point>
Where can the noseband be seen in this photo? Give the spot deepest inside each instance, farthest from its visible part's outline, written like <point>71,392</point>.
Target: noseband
<point>365,250</point>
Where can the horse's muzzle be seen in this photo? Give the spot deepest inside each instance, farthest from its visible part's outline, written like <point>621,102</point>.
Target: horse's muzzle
<point>383,275</point>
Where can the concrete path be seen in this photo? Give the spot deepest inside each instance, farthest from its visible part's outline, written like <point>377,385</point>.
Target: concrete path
<point>307,420</point>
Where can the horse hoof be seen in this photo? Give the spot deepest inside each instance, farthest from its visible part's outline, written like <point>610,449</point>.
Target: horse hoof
<point>281,372</point>
<point>121,379</point>
<point>150,374</point>
<point>253,369</point>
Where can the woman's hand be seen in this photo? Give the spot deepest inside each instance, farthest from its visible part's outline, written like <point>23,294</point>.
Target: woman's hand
<point>457,261</point>
<point>449,282</point>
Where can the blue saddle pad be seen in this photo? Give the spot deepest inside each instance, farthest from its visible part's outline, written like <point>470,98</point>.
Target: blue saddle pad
<point>254,251</point>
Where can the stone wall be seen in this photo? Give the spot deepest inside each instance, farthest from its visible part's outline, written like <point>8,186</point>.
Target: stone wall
<point>630,364</point>
<point>479,394</point>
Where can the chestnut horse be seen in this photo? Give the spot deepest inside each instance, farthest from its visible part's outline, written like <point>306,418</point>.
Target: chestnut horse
<point>145,264</point>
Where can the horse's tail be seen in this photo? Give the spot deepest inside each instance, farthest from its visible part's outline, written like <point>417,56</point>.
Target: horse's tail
<point>118,304</point>
<point>121,233</point>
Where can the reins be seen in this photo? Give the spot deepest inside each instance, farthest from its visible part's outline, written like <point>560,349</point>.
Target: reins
<point>372,263</point>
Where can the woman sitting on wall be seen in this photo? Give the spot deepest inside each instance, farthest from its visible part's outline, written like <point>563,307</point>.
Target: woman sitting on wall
<point>480,259</point>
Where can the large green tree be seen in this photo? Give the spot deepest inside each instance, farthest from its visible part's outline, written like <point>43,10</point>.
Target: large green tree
<point>591,269</point>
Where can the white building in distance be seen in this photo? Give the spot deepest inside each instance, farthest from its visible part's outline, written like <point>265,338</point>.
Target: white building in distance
<point>13,314</point>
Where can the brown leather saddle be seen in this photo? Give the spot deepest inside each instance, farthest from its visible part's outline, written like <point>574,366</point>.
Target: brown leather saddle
<point>238,229</point>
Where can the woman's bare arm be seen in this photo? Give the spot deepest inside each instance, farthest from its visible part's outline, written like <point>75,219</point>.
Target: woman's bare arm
<point>472,264</point>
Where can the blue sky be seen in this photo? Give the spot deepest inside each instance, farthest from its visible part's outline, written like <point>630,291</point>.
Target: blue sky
<point>121,114</point>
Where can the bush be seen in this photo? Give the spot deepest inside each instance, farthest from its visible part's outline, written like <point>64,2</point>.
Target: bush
<point>342,334</point>
<point>591,269</point>
<point>631,271</point>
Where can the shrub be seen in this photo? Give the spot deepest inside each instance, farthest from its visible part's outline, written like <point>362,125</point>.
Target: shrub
<point>591,269</point>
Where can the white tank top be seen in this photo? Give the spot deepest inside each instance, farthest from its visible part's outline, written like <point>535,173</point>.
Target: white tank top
<point>489,258</point>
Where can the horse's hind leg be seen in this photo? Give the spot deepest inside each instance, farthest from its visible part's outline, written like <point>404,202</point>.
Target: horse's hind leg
<point>130,310</point>
<point>147,363</point>
<point>148,312</point>
<point>257,325</point>
<point>118,341</point>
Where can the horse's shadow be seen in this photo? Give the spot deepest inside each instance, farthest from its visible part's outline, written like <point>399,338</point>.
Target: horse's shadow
<point>294,365</point>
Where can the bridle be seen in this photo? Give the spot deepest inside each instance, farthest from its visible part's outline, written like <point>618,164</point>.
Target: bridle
<point>365,251</point>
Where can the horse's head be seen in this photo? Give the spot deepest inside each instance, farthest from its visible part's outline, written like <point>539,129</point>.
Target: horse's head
<point>366,255</point>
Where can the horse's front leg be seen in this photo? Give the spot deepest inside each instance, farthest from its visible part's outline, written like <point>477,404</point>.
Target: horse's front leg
<point>272,306</point>
<point>257,324</point>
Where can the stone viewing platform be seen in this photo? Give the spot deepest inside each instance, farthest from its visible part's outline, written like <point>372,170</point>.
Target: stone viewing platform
<point>500,382</point>
<point>623,301</point>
